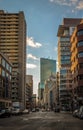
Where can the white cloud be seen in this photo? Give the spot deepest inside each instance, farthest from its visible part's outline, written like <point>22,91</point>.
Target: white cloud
<point>51,0</point>
<point>30,56</point>
<point>30,42</point>
<point>73,11</point>
<point>61,2</point>
<point>75,4</point>
<point>55,48</point>
<point>80,5</point>
<point>30,66</point>
<point>74,1</point>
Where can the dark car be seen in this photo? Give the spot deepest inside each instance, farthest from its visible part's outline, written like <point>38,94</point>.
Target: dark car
<point>37,109</point>
<point>57,108</point>
<point>6,112</point>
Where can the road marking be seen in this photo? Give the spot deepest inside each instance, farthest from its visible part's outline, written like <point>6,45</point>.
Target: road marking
<point>25,119</point>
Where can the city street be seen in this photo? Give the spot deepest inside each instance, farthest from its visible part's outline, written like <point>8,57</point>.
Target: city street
<point>42,121</point>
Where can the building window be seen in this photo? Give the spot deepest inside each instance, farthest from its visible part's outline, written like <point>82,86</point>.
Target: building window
<point>10,69</point>
<point>3,62</point>
<point>80,32</point>
<point>81,65</point>
<point>65,61</point>
<point>66,32</point>
<point>7,66</point>
<point>0,59</point>
<point>80,54</point>
<point>65,57</point>
<point>3,73</point>
<point>0,71</point>
<point>80,77</point>
<point>80,43</point>
<point>64,39</point>
<point>64,71</point>
<point>10,77</point>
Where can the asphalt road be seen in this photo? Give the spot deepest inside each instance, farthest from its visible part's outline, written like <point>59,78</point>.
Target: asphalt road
<point>42,121</point>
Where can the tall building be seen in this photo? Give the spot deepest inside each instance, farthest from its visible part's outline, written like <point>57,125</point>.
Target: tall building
<point>47,67</point>
<point>64,33</point>
<point>77,63</point>
<point>57,87</point>
<point>29,91</point>
<point>13,44</point>
<point>40,92</point>
<point>34,100</point>
<point>50,94</point>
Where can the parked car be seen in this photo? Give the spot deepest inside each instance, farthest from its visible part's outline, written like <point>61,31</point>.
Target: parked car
<point>48,109</point>
<point>16,111</point>
<point>34,110</point>
<point>80,113</point>
<point>26,111</point>
<point>37,109</point>
<point>75,113</point>
<point>43,110</point>
<point>6,112</point>
<point>57,108</point>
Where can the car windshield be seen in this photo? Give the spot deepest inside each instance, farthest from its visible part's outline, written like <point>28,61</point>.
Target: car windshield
<point>2,110</point>
<point>81,108</point>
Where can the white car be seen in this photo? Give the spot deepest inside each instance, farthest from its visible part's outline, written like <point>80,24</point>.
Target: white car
<point>16,111</point>
<point>26,111</point>
<point>43,110</point>
<point>75,113</point>
<point>80,113</point>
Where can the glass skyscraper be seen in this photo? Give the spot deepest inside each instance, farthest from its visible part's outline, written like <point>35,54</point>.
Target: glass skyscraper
<point>47,67</point>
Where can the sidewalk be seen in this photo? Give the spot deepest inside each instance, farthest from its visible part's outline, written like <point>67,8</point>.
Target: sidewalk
<point>66,112</point>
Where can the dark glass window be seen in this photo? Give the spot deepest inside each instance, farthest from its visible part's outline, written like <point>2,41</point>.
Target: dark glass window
<point>81,77</point>
<point>81,65</point>
<point>80,54</point>
<point>80,43</point>
<point>80,32</point>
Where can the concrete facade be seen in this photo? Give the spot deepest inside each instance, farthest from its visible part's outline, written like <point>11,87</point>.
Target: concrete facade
<point>64,58</point>
<point>13,44</point>
<point>77,63</point>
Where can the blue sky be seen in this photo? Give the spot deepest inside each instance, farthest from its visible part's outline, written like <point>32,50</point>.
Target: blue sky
<point>43,18</point>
